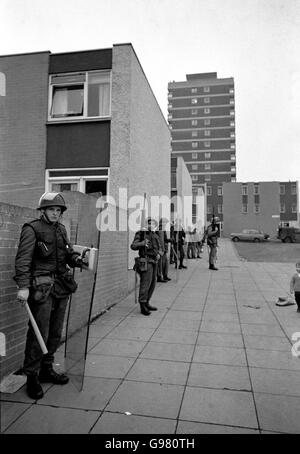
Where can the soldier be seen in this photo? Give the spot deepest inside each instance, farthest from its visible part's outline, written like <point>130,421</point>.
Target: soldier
<point>148,244</point>
<point>163,263</point>
<point>178,240</point>
<point>212,234</point>
<point>44,280</point>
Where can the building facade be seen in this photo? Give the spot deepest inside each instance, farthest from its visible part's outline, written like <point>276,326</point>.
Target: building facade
<point>260,205</point>
<point>83,121</point>
<point>201,115</point>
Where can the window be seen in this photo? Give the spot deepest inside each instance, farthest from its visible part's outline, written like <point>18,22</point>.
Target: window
<point>282,208</point>
<point>231,91</point>
<point>220,190</point>
<point>194,133</point>
<point>232,146</point>
<point>62,187</point>
<point>232,134</point>
<point>81,95</point>
<point>194,122</point>
<point>170,116</point>
<point>293,189</point>
<point>207,166</point>
<point>244,208</point>
<point>170,105</point>
<point>282,190</point>
<point>244,189</point>
<point>194,90</point>
<point>220,209</point>
<point>232,112</point>
<point>194,101</point>
<point>207,178</point>
<point>294,208</point>
<point>209,209</point>
<point>207,122</point>
<point>232,157</point>
<point>207,143</point>
<point>256,208</point>
<point>206,89</point>
<point>206,110</point>
<point>195,177</point>
<point>194,166</point>
<point>231,101</point>
<point>207,155</point>
<point>256,189</point>
<point>194,144</point>
<point>232,123</point>
<point>209,190</point>
<point>206,100</point>
<point>207,133</point>
<point>194,111</point>
<point>194,155</point>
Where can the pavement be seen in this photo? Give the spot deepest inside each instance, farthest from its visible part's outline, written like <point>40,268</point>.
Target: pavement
<point>214,358</point>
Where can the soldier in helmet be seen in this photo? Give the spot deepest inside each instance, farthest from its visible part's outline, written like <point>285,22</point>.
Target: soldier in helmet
<point>43,278</point>
<point>212,234</point>
<point>148,244</point>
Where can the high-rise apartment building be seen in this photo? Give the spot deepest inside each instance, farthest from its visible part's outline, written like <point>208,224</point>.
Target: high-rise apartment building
<point>201,114</point>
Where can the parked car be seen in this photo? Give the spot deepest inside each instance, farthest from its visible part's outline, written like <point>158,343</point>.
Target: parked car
<point>250,235</point>
<point>289,234</point>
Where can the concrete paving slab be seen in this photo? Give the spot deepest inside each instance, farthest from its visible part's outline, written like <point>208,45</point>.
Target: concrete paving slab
<point>219,355</point>
<point>158,371</point>
<point>278,413</point>
<point>180,324</point>
<point>95,394</point>
<point>220,339</point>
<point>107,366</point>
<point>185,427</point>
<point>259,318</point>
<point>219,376</point>
<point>139,322</point>
<point>131,424</point>
<point>235,408</point>
<point>267,343</point>
<point>140,334</point>
<point>220,327</point>
<point>40,419</point>
<point>271,359</point>
<point>175,315</point>
<point>118,347</point>
<point>165,351</point>
<point>220,317</point>
<point>147,399</point>
<point>100,331</point>
<point>177,336</point>
<point>188,305</point>
<point>262,330</point>
<point>273,381</point>
<point>10,412</point>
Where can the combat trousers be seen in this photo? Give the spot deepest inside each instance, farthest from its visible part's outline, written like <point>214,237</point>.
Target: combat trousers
<point>49,316</point>
<point>212,255</point>
<point>147,283</point>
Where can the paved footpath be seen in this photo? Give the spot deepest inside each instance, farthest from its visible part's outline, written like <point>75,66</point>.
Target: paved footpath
<point>215,358</point>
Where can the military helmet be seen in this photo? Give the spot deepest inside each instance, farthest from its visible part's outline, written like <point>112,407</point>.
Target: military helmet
<point>50,199</point>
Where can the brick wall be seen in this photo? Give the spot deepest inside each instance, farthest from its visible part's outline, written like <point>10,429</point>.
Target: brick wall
<point>13,318</point>
<point>23,115</point>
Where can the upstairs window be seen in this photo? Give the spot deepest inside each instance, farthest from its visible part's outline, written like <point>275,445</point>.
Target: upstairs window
<point>80,95</point>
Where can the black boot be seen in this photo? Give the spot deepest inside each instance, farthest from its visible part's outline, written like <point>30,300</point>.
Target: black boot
<point>144,309</point>
<point>48,375</point>
<point>212,267</point>
<point>149,307</point>
<point>33,386</point>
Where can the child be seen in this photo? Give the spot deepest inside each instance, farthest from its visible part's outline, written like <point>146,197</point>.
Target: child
<point>295,285</point>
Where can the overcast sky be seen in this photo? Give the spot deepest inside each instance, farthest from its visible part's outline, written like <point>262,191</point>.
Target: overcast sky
<point>257,42</point>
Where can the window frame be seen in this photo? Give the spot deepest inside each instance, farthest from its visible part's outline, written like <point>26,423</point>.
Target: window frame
<point>85,83</point>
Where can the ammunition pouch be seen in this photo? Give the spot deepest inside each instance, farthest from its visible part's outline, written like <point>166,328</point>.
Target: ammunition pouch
<point>64,285</point>
<point>140,264</point>
<point>41,288</point>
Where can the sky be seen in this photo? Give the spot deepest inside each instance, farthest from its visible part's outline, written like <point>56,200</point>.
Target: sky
<point>257,42</point>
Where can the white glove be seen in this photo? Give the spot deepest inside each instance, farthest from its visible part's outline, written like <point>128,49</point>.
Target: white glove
<point>23,294</point>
